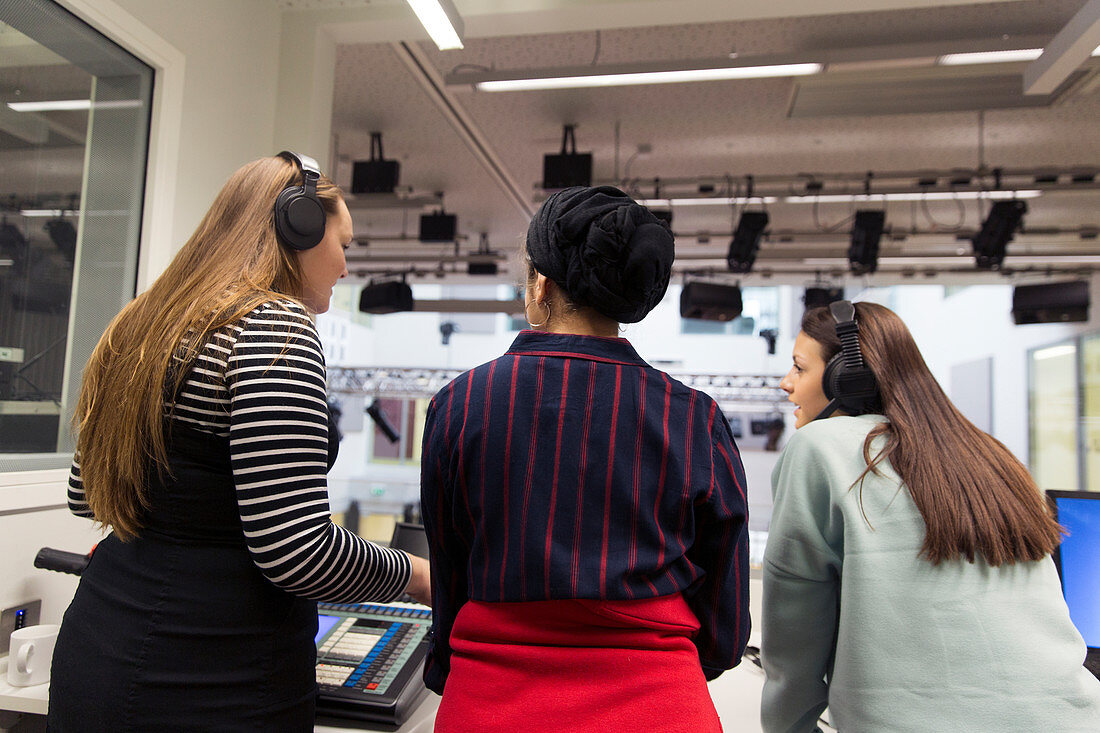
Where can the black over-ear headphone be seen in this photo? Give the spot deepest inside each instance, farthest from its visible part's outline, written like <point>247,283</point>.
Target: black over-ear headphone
<point>849,383</point>
<point>299,215</point>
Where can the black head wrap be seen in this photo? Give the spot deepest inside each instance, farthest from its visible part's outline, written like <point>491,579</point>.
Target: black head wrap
<point>603,249</point>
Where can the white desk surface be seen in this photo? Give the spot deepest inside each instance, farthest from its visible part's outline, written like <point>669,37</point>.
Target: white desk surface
<point>33,699</point>
<point>736,695</point>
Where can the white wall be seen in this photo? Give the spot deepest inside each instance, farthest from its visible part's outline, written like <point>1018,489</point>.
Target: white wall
<point>976,323</point>
<point>30,519</point>
<point>228,112</point>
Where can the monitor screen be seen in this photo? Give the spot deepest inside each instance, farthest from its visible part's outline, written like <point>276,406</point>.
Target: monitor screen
<point>324,623</point>
<point>411,538</point>
<point>1078,559</point>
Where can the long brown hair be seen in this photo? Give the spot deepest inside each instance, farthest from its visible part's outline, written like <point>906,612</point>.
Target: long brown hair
<point>231,264</point>
<point>975,497</point>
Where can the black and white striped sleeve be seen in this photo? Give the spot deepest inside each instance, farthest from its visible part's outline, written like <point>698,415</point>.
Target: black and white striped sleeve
<point>278,441</point>
<point>78,501</point>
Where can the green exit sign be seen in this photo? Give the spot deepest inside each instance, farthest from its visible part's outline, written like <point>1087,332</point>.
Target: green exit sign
<point>10,353</point>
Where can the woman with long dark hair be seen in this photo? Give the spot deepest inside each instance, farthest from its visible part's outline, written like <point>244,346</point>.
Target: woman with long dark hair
<point>585,512</point>
<point>908,584</point>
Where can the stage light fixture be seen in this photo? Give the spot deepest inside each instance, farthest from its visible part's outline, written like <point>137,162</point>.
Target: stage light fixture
<point>997,231</point>
<point>378,415</point>
<point>866,233</point>
<point>746,241</point>
<point>63,236</point>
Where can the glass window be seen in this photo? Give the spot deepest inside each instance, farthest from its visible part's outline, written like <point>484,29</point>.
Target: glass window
<point>74,130</point>
<point>1053,411</point>
<point>1090,418</point>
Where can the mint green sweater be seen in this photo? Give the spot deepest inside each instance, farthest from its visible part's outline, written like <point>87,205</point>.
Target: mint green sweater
<point>854,619</point>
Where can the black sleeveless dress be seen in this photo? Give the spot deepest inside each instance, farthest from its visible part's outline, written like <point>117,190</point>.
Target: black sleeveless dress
<point>178,629</point>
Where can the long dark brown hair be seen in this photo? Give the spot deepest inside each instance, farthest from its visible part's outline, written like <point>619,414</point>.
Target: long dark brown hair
<point>975,497</point>
<point>232,264</point>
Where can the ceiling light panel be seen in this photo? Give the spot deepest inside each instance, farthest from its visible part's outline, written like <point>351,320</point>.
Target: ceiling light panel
<point>650,77</point>
<point>441,20</point>
<point>990,57</point>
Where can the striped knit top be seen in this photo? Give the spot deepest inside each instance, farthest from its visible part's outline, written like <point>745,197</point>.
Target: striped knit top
<point>261,384</point>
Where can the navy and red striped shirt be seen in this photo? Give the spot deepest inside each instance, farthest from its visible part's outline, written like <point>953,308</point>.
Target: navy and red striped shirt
<point>570,468</point>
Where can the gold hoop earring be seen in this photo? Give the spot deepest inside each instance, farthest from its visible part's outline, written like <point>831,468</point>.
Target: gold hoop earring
<point>528,318</point>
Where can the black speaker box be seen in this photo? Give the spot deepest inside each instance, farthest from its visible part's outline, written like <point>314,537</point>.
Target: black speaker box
<point>438,227</point>
<point>561,170</point>
<point>481,268</point>
<point>816,297</point>
<point>386,297</point>
<point>375,176</point>
<point>710,301</point>
<point>1051,302</point>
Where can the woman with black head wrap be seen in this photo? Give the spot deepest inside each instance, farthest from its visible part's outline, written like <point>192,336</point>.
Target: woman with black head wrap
<point>585,512</point>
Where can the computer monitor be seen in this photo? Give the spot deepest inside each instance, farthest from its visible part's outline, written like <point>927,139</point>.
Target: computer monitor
<point>1078,560</point>
<point>411,538</point>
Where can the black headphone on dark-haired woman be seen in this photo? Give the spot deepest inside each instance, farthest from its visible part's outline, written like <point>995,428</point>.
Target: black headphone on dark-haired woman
<point>299,215</point>
<point>849,384</point>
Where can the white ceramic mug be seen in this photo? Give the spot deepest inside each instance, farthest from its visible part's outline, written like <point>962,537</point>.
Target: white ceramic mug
<point>30,655</point>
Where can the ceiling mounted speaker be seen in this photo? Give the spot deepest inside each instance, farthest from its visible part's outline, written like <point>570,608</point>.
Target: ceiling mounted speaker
<point>710,301</point>
<point>376,175</point>
<point>817,297</point>
<point>438,227</point>
<point>1051,302</point>
<point>393,296</point>
<point>567,168</point>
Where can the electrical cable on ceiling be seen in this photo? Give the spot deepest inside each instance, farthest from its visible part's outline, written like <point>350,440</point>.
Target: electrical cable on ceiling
<point>940,226</point>
<point>829,228</point>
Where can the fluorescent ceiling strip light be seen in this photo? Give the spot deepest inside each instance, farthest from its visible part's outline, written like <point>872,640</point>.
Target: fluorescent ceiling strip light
<point>442,21</point>
<point>41,212</point>
<point>727,201</point>
<point>650,77</point>
<point>990,57</point>
<point>69,105</point>
<point>995,57</point>
<point>832,198</point>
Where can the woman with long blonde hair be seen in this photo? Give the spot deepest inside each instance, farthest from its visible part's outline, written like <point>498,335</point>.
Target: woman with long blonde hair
<point>203,444</point>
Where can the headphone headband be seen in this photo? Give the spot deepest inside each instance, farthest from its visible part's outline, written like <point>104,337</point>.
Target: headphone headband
<point>307,165</point>
<point>844,313</point>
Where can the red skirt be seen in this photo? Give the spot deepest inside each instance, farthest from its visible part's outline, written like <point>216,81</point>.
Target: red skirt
<point>576,665</point>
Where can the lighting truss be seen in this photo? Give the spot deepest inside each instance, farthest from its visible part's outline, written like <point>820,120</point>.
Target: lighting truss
<point>750,391</point>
